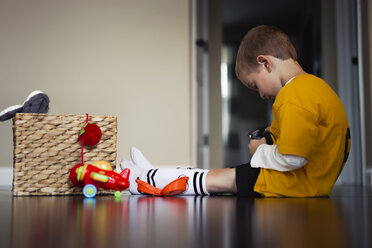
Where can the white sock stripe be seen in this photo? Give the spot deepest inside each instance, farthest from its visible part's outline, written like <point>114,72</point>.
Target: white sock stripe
<point>194,183</point>
<point>201,183</point>
<point>204,184</point>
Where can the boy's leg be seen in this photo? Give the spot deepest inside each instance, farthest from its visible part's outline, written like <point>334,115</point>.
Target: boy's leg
<point>221,181</point>
<point>239,180</point>
<point>245,179</point>
<point>159,177</point>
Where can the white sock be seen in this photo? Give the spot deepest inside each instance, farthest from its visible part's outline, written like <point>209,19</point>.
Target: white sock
<point>160,177</point>
<point>135,172</point>
<point>141,168</point>
<point>139,159</point>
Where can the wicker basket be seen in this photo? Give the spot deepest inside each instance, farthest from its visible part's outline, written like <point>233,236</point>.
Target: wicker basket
<point>46,147</point>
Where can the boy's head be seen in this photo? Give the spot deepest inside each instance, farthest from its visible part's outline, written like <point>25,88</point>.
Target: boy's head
<point>262,40</point>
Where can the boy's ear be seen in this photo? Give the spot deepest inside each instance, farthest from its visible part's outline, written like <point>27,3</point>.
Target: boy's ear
<point>265,61</point>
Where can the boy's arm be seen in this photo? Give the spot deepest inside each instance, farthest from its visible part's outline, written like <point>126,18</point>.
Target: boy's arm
<point>268,157</point>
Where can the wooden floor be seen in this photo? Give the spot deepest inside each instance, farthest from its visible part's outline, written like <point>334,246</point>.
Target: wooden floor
<point>342,220</point>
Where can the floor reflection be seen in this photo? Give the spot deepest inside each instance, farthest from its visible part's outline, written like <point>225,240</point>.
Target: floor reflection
<point>299,223</point>
<point>67,221</point>
<point>223,221</point>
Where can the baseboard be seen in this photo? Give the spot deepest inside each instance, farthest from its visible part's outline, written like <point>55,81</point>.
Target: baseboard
<point>6,177</point>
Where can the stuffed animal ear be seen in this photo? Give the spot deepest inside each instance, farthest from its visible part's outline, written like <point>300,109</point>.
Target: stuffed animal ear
<point>36,102</point>
<point>10,112</point>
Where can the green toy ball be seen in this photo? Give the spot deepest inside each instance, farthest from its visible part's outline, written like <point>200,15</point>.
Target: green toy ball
<point>117,194</point>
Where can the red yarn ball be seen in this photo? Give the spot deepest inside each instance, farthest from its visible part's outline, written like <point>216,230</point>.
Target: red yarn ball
<point>91,134</point>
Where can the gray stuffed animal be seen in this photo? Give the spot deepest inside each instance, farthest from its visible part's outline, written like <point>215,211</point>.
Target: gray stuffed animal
<point>36,102</point>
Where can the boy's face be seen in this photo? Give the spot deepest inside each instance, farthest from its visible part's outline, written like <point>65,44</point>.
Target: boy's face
<point>266,82</point>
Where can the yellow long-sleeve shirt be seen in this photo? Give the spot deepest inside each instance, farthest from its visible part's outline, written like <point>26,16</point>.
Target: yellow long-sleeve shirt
<point>309,121</point>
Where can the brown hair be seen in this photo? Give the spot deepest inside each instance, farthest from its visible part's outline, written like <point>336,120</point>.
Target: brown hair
<point>263,40</point>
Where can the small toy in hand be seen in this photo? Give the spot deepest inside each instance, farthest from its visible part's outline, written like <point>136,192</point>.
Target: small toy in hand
<point>98,174</point>
<point>262,133</point>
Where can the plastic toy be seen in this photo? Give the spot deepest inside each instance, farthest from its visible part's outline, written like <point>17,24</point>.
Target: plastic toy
<point>98,174</point>
<point>175,187</point>
<point>262,133</point>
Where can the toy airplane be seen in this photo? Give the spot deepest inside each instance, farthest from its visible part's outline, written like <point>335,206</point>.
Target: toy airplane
<point>99,174</point>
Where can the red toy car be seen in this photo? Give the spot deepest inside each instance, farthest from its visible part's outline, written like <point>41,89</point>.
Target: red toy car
<point>99,174</point>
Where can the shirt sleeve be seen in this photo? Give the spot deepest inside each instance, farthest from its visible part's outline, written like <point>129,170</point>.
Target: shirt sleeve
<point>268,157</point>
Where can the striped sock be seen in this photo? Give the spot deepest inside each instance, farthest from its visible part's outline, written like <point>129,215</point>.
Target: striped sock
<point>160,177</point>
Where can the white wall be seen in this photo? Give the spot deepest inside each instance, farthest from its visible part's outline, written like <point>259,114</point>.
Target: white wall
<point>129,58</point>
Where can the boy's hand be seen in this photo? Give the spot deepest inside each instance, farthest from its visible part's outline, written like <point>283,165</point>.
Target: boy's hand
<point>254,144</point>
<point>267,129</point>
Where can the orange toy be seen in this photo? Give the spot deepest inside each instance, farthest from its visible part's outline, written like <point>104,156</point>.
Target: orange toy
<point>175,187</point>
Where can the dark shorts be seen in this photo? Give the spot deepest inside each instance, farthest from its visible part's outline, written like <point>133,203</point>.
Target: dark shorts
<point>246,178</point>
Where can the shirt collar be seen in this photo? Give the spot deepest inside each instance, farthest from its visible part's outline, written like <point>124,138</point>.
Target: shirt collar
<point>289,80</point>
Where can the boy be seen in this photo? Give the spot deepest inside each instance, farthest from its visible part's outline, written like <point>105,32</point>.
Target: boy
<point>310,130</point>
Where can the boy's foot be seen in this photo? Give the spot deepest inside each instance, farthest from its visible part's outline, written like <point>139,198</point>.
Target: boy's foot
<point>135,172</point>
<point>139,159</point>
<point>141,168</point>
<point>138,165</point>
